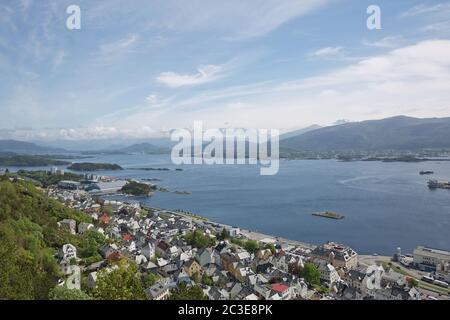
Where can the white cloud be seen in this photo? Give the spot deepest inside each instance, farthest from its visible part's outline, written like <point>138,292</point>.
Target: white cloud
<point>231,19</point>
<point>411,80</point>
<point>205,74</point>
<point>441,8</point>
<point>438,27</point>
<point>117,48</point>
<point>151,98</point>
<point>327,52</point>
<point>386,42</point>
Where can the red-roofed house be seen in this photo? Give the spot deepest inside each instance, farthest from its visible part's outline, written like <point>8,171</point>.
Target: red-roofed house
<point>115,256</point>
<point>127,237</point>
<point>283,290</point>
<point>104,218</point>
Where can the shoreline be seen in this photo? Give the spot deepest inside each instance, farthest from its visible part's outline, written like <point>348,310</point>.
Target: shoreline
<point>252,235</point>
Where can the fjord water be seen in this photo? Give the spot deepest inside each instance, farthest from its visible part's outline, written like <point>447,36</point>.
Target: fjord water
<point>386,205</point>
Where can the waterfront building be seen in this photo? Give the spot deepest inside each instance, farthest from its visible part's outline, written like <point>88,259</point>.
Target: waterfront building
<point>338,255</point>
<point>69,185</point>
<point>428,258</point>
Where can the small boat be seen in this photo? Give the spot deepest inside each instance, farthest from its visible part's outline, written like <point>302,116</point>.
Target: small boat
<point>426,172</point>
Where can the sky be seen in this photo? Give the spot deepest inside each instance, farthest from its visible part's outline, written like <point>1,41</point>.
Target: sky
<point>141,68</point>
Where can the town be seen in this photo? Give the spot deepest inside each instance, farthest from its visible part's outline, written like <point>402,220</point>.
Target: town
<point>175,249</point>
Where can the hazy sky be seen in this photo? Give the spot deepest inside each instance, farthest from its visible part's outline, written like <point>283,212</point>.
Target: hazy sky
<point>139,67</point>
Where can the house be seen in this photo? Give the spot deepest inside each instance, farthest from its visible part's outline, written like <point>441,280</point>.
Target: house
<point>355,279</point>
<point>338,255</point>
<point>140,259</point>
<point>283,290</point>
<point>162,249</point>
<point>92,280</point>
<point>106,250</point>
<point>158,291</point>
<point>204,256</point>
<point>69,225</point>
<point>149,250</point>
<point>104,219</point>
<point>264,254</point>
<point>68,252</point>
<point>328,273</point>
<point>192,267</point>
<point>92,277</point>
<point>84,226</point>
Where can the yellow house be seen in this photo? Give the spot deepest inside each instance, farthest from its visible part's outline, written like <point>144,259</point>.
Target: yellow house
<point>192,267</point>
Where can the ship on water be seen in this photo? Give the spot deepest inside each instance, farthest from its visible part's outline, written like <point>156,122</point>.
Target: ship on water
<point>329,215</point>
<point>435,184</point>
<point>426,172</point>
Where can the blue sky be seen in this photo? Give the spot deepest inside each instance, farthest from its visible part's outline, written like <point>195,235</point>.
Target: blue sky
<point>142,68</point>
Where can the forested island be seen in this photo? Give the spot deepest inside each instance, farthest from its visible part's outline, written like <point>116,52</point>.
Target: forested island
<point>137,189</point>
<point>88,166</point>
<point>29,161</point>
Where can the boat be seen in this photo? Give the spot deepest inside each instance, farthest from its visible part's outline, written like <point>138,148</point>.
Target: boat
<point>434,184</point>
<point>426,172</point>
<point>329,215</point>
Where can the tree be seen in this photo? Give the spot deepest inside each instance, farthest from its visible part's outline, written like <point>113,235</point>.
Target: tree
<point>223,235</point>
<point>199,240</point>
<point>150,279</point>
<point>270,247</point>
<point>413,282</point>
<point>206,280</point>
<point>183,292</point>
<point>310,273</point>
<point>122,283</point>
<point>251,246</point>
<point>63,293</point>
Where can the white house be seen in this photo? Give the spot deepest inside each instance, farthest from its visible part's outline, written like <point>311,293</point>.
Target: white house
<point>68,252</point>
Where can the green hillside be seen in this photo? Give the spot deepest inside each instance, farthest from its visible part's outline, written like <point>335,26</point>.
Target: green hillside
<point>29,238</point>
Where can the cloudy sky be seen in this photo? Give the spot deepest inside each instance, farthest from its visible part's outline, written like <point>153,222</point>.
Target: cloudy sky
<point>147,66</point>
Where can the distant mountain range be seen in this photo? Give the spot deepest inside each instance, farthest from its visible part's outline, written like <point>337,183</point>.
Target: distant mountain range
<point>21,147</point>
<point>143,148</point>
<point>298,132</point>
<point>396,133</point>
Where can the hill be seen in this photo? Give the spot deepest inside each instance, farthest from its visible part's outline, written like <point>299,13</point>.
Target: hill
<point>29,161</point>
<point>396,133</point>
<point>142,148</point>
<point>298,132</point>
<point>29,238</point>
<point>23,147</point>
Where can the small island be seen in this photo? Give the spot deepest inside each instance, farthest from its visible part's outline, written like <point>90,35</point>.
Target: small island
<point>137,189</point>
<point>88,166</point>
<point>329,215</point>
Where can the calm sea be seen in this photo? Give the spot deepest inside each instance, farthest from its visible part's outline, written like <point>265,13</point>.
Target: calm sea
<point>386,205</point>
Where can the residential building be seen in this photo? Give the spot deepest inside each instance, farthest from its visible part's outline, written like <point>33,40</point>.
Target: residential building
<point>338,255</point>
